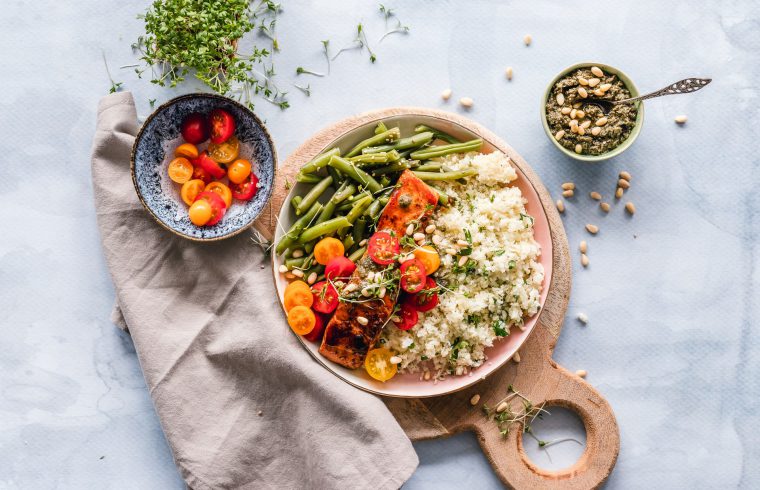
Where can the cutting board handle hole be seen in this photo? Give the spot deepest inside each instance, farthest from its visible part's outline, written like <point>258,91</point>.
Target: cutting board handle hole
<point>564,437</point>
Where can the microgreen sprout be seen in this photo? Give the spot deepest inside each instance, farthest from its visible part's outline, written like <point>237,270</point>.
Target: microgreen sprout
<point>357,43</point>
<point>303,71</point>
<point>361,34</point>
<point>326,51</point>
<point>400,29</point>
<point>115,86</point>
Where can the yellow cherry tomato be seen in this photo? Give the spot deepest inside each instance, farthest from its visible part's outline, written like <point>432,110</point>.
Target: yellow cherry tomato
<point>200,212</point>
<point>239,171</point>
<point>180,170</point>
<point>186,150</point>
<point>191,189</point>
<point>222,190</point>
<point>378,364</point>
<point>327,249</point>
<point>301,319</point>
<point>225,152</point>
<point>429,258</point>
<point>298,293</point>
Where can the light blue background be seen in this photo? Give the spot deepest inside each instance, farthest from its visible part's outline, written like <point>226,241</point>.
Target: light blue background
<point>672,294</point>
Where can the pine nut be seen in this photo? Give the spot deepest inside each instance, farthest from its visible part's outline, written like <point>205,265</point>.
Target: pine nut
<point>573,113</point>
<point>573,123</point>
<point>527,39</point>
<point>366,292</point>
<point>451,251</point>
<point>596,130</point>
<point>437,239</point>
<point>599,92</point>
<point>350,287</point>
<point>597,71</point>
<point>593,229</point>
<point>474,400</point>
<point>410,229</point>
<point>429,229</point>
<point>283,269</point>
<point>560,99</point>
<point>363,242</point>
<point>463,243</point>
<point>427,375</point>
<point>516,358</point>
<point>578,148</point>
<point>395,360</point>
<point>580,114</point>
<point>418,236</point>
<point>601,121</point>
<point>297,254</point>
<point>446,94</point>
<point>560,206</point>
<point>619,192</point>
<point>584,260</point>
<point>582,92</point>
<point>585,124</point>
<point>558,136</point>
<point>382,292</point>
<point>568,186</point>
<point>508,72</point>
<point>297,272</point>
<point>312,278</point>
<point>581,373</point>
<point>583,318</point>
<point>577,105</point>
<point>502,406</point>
<point>624,183</point>
<point>630,208</point>
<point>459,370</point>
<point>605,207</point>
<point>362,320</point>
<point>566,110</point>
<point>605,87</point>
<point>568,193</point>
<point>574,129</point>
<point>625,175</point>
<point>583,247</point>
<point>463,260</point>
<point>582,81</point>
<point>595,196</point>
<point>681,119</point>
<point>593,82</point>
<point>581,130</point>
<point>466,102</point>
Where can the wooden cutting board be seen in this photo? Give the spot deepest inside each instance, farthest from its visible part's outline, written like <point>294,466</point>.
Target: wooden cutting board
<point>537,376</point>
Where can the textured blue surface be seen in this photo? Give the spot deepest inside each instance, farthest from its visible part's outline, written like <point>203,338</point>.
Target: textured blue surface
<point>672,293</point>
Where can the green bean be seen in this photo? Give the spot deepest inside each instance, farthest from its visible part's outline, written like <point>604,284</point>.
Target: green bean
<point>458,174</point>
<point>355,212</point>
<point>439,151</point>
<point>312,196</point>
<point>345,191</point>
<point>329,226</point>
<point>402,144</point>
<point>384,200</point>
<point>309,247</point>
<point>386,136</point>
<point>394,167</point>
<point>348,242</point>
<point>316,268</point>
<point>429,167</point>
<point>381,128</point>
<point>295,201</point>
<point>357,254</point>
<point>443,198</point>
<point>359,228</point>
<point>293,233</point>
<point>355,173</point>
<point>380,157</point>
<point>319,161</point>
<point>440,135</point>
<point>293,263</point>
<point>308,178</point>
<point>373,211</point>
<point>337,176</point>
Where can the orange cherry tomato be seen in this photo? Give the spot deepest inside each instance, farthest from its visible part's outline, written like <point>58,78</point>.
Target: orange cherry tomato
<point>186,150</point>
<point>180,170</point>
<point>429,258</point>
<point>378,364</point>
<point>239,171</point>
<point>327,249</point>
<point>224,192</point>
<point>301,319</point>
<point>298,293</point>
<point>191,189</point>
<point>200,212</point>
<point>225,152</point>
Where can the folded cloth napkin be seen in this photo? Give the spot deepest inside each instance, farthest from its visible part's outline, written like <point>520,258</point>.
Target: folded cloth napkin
<point>242,404</point>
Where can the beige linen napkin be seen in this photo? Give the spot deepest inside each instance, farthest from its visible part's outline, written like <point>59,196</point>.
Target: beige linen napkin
<point>242,404</point>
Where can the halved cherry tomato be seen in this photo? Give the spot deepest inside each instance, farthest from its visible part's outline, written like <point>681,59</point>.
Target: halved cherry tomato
<point>199,173</point>
<point>247,189</point>
<point>180,170</point>
<point>210,165</point>
<point>195,128</point>
<point>413,276</point>
<point>428,255</point>
<point>383,248</point>
<point>222,125</point>
<point>327,249</point>
<point>225,152</point>
<point>191,189</point>
<point>425,300</point>
<point>378,364</point>
<point>409,317</point>
<point>200,212</point>
<point>187,150</point>
<point>302,320</point>
<point>224,192</point>
<point>297,293</point>
<point>325,297</point>
<point>319,328</point>
<point>339,268</point>
<point>239,171</point>
<point>218,206</point>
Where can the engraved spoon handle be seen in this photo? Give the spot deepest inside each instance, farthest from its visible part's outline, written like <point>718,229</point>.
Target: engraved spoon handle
<point>680,87</point>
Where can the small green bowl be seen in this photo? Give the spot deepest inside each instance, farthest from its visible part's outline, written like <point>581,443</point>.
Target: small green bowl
<point>618,149</point>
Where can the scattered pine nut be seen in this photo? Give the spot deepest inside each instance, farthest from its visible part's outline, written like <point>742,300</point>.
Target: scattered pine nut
<point>630,208</point>
<point>463,243</point>
<point>418,236</point>
<point>601,121</point>
<point>502,406</point>
<point>297,254</point>
<point>583,318</point>
<point>599,92</point>
<point>466,102</point>
<point>605,87</point>
<point>624,183</point>
<point>283,269</point>
<point>577,105</point>
<point>427,375</point>
<point>582,81</point>
<point>362,320</point>
<point>560,99</point>
<point>410,229</point>
<point>596,130</point>
<point>625,175</point>
<point>580,114</point>
<point>363,242</point>
<point>560,206</point>
<point>566,110</point>
<point>585,124</point>
<point>573,113</point>
<point>605,207</point>
<point>527,39</point>
<point>584,260</point>
<point>312,278</point>
<point>568,186</point>
<point>581,130</point>
<point>437,239</point>
<point>516,357</point>
<point>446,94</point>
<point>381,293</point>
<point>558,136</point>
<point>581,373</point>
<point>395,360</point>
<point>595,196</point>
<point>582,92</point>
<point>475,399</point>
<point>583,246</point>
<point>593,229</point>
<point>429,229</point>
<point>297,272</point>
<point>681,119</point>
<point>463,260</point>
<point>619,192</point>
<point>593,82</point>
<point>597,71</point>
<point>451,251</point>
<point>289,276</point>
<point>578,148</point>
<point>366,293</point>
<point>568,193</point>
<point>508,72</point>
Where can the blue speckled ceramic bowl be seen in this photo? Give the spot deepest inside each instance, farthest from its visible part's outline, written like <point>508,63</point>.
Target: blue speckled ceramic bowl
<point>160,196</point>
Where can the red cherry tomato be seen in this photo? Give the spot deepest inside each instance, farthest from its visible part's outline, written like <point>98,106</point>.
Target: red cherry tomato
<point>199,173</point>
<point>222,125</point>
<point>247,189</point>
<point>218,207</point>
<point>413,276</point>
<point>409,317</point>
<point>339,268</point>
<point>319,328</point>
<point>195,128</point>
<point>325,297</point>
<point>425,300</point>
<point>383,248</point>
<point>209,165</point>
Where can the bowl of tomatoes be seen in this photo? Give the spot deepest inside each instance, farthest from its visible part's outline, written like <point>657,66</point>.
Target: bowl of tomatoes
<point>203,166</point>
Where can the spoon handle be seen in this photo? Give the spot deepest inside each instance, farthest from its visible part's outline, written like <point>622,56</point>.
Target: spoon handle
<point>680,87</point>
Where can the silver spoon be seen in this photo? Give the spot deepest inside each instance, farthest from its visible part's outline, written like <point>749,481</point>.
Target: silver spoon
<point>681,87</point>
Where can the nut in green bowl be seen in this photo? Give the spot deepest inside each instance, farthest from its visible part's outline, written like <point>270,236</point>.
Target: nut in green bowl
<point>582,131</point>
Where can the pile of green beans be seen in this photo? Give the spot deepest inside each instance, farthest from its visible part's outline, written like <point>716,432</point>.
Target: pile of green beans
<point>349,190</point>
